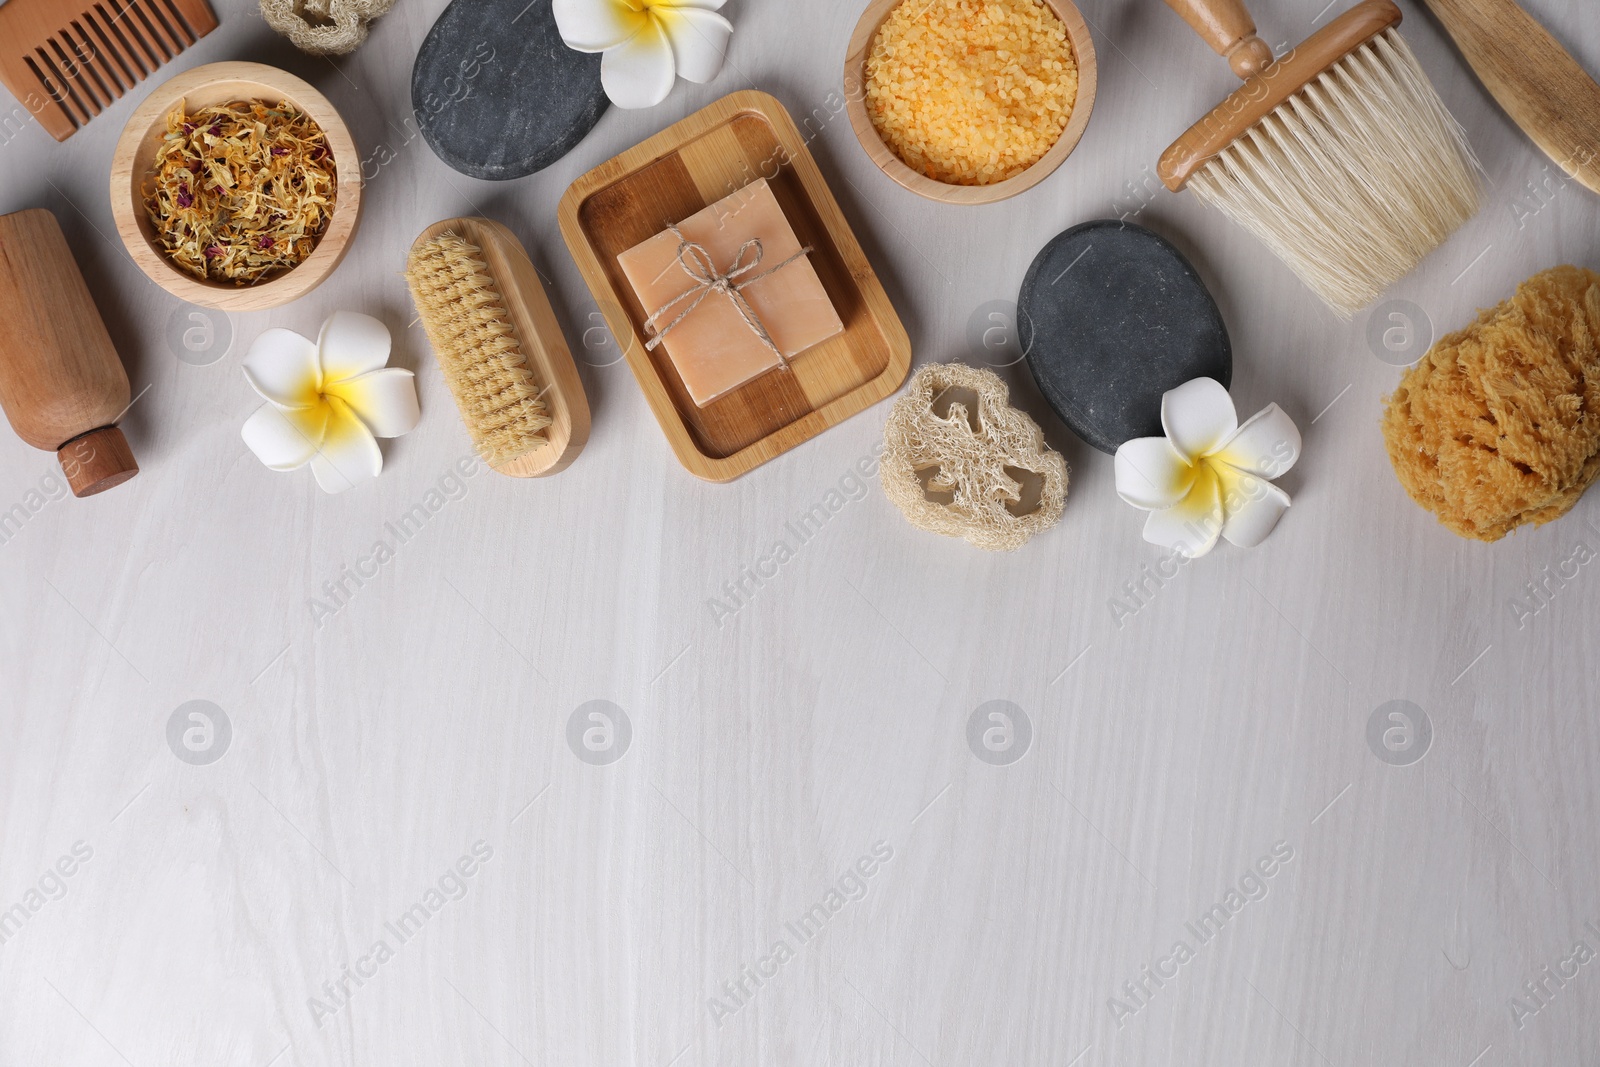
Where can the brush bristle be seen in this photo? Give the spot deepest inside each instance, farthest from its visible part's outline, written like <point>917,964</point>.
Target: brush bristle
<point>476,345</point>
<point>1354,179</point>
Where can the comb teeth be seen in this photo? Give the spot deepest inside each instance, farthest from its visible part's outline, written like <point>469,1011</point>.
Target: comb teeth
<point>97,54</point>
<point>476,345</point>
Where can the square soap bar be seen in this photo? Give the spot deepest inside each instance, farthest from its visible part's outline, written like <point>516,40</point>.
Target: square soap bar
<point>714,350</point>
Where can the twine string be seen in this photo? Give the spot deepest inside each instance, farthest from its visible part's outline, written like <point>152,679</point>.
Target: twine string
<point>696,261</point>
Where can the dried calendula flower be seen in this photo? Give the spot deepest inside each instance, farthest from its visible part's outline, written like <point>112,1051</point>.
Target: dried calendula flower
<point>241,191</point>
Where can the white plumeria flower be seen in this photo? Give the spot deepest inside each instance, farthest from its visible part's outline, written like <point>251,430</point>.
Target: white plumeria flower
<point>646,43</point>
<point>1209,475</point>
<point>327,400</point>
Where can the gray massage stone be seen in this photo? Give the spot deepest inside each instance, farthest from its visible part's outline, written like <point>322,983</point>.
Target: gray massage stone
<point>497,94</point>
<point>1111,316</point>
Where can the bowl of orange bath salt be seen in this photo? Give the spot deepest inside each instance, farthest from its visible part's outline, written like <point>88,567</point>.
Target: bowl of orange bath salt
<point>970,101</point>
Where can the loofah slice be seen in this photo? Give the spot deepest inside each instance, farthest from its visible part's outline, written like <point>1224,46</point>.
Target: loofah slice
<point>970,472</point>
<point>1499,424</point>
<point>323,27</point>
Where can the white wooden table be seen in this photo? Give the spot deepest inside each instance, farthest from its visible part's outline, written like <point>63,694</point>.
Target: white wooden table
<point>230,912</point>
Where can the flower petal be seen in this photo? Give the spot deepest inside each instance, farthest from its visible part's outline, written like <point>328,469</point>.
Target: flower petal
<point>349,454</point>
<point>640,71</point>
<point>1193,524</point>
<point>1252,505</point>
<point>596,25</point>
<point>285,439</point>
<point>350,344</point>
<point>1151,475</point>
<point>386,400</point>
<point>680,5</point>
<point>699,40</point>
<point>282,366</point>
<point>1198,416</point>
<point>1267,444</point>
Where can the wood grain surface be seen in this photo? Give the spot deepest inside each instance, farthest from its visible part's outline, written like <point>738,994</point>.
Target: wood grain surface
<point>794,718</point>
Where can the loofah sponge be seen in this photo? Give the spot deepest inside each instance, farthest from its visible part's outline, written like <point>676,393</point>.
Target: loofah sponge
<point>323,27</point>
<point>963,473</point>
<point>1499,424</point>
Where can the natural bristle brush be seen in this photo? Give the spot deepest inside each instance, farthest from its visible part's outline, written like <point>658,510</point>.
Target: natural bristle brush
<point>1339,155</point>
<point>499,346</point>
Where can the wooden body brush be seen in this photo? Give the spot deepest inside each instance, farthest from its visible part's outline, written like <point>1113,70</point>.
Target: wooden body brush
<point>1339,155</point>
<point>1537,81</point>
<point>499,346</point>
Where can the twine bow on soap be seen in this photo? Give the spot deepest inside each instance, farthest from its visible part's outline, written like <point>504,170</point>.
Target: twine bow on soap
<point>696,261</point>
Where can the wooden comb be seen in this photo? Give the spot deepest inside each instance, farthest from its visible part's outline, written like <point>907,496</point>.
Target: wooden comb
<point>67,63</point>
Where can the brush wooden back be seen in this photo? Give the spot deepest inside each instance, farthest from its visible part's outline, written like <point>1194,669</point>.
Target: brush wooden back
<point>1539,84</point>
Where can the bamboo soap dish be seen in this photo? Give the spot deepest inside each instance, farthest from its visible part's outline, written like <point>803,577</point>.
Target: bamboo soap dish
<point>520,293</point>
<point>689,166</point>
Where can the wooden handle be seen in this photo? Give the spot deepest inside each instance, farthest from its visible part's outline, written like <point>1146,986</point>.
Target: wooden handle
<point>1227,27</point>
<point>1533,78</point>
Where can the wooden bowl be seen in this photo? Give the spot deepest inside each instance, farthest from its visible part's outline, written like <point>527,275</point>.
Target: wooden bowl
<point>222,83</point>
<point>855,83</point>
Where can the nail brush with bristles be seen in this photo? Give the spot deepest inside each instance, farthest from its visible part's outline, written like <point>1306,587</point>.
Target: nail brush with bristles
<point>499,346</point>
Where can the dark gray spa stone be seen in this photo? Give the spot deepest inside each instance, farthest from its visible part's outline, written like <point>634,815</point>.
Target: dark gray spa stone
<point>497,94</point>
<point>1111,316</point>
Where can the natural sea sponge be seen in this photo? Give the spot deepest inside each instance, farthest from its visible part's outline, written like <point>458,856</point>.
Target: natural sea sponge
<point>1499,424</point>
<point>980,471</point>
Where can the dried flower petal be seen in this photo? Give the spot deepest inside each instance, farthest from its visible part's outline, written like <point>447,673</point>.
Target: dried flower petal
<point>266,182</point>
